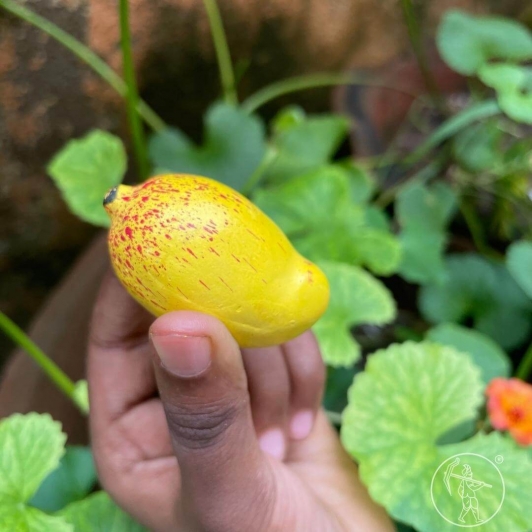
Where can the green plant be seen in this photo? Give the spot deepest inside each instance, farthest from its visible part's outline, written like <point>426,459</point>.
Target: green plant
<point>413,404</point>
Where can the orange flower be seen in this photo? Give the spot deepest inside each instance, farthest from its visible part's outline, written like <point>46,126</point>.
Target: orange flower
<point>510,408</point>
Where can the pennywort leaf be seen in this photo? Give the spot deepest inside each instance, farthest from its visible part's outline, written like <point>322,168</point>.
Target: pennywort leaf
<point>233,147</point>
<point>424,213</point>
<point>323,223</point>
<point>467,42</point>
<point>98,513</point>
<point>31,446</point>
<point>356,298</point>
<point>85,169</point>
<point>519,261</point>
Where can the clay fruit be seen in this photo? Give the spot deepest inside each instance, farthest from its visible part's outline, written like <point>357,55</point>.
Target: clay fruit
<point>182,242</point>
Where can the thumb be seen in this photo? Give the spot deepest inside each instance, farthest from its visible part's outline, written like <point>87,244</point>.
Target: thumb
<point>203,387</point>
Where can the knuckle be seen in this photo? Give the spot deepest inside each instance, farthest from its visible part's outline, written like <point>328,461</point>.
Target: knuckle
<point>202,426</point>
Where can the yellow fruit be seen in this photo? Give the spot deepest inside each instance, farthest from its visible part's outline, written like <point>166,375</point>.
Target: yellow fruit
<point>182,242</point>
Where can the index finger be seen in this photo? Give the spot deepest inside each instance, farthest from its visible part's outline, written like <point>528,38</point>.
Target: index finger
<point>119,369</point>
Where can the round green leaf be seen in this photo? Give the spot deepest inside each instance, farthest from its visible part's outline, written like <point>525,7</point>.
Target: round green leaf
<point>21,518</point>
<point>408,396</point>
<point>513,84</point>
<point>356,298</point>
<point>519,262</point>
<point>316,213</point>
<point>71,481</point>
<point>484,352</point>
<point>31,446</point>
<point>233,147</point>
<point>483,290</point>
<point>98,513</point>
<point>467,42</point>
<point>85,169</point>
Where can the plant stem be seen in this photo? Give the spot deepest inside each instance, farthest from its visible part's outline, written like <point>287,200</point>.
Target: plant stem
<point>524,370</point>
<point>86,55</point>
<point>453,125</point>
<point>311,81</point>
<point>334,417</point>
<point>414,34</point>
<point>270,156</point>
<point>52,370</point>
<point>132,96</point>
<point>474,225</point>
<point>223,56</point>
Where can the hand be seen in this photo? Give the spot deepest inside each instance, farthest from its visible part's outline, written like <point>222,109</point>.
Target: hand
<point>190,434</point>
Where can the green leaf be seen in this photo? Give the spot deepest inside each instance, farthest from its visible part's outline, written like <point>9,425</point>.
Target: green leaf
<point>85,169</point>
<point>356,298</point>
<point>408,396</point>
<point>98,513</point>
<point>424,213</point>
<point>316,213</point>
<point>81,395</point>
<point>478,147</point>
<point>484,291</point>
<point>31,446</point>
<point>20,518</point>
<point>233,147</point>
<point>519,262</point>
<point>484,352</point>
<point>71,481</point>
<point>496,461</point>
<point>514,89</point>
<point>466,42</point>
<point>305,146</point>
<point>361,182</point>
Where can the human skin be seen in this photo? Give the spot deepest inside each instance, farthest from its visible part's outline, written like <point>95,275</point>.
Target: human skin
<point>190,433</point>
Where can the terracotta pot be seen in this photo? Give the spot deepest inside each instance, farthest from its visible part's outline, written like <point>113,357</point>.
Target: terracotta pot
<point>61,330</point>
<point>378,113</point>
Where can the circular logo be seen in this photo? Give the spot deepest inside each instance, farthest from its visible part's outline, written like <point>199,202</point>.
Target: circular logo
<point>468,489</point>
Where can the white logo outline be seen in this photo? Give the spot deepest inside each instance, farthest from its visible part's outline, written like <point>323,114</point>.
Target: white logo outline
<point>447,461</point>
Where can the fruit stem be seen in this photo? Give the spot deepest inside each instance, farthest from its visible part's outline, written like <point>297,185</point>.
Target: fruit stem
<point>223,56</point>
<point>52,370</point>
<point>86,55</point>
<point>132,96</point>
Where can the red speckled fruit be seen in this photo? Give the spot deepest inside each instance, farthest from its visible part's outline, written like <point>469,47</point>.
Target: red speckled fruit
<point>181,242</point>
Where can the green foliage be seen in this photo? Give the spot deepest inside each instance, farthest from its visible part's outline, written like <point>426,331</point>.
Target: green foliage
<point>81,395</point>
<point>484,352</point>
<point>424,213</point>
<point>519,261</point>
<point>71,481</point>
<point>316,212</point>
<point>408,396</point>
<point>303,143</point>
<point>513,85</point>
<point>30,448</point>
<point>232,149</point>
<point>98,513</point>
<point>33,465</point>
<point>356,298</point>
<point>484,291</point>
<point>85,169</point>
<point>467,42</point>
<point>478,147</point>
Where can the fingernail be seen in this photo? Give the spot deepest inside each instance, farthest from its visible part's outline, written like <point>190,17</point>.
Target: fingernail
<point>272,442</point>
<point>184,356</point>
<point>301,424</point>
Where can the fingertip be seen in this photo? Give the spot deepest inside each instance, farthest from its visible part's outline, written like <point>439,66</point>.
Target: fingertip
<point>192,323</point>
